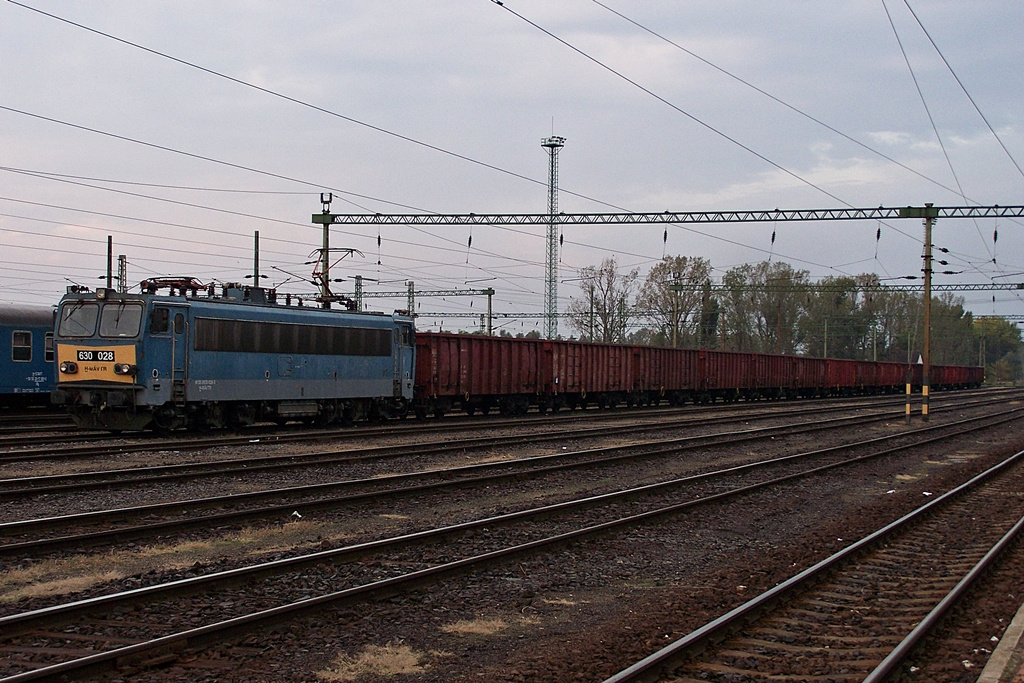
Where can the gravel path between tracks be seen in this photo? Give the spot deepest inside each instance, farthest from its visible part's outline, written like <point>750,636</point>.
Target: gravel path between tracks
<point>596,607</point>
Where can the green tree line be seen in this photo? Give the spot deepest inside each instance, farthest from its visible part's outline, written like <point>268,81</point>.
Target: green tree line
<point>770,307</point>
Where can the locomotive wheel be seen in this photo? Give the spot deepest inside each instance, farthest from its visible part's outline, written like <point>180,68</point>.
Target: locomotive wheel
<point>400,408</point>
<point>166,419</point>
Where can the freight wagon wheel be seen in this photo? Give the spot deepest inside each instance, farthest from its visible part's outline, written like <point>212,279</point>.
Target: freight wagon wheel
<point>522,406</point>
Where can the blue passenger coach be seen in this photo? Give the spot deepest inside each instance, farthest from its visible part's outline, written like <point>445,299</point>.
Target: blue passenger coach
<point>26,354</point>
<point>198,358</point>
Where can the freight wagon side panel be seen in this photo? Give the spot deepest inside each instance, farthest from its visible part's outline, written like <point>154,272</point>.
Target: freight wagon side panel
<point>842,374</point>
<point>891,376</point>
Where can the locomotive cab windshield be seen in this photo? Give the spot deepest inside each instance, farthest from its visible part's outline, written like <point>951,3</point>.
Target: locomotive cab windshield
<point>117,319</point>
<point>120,319</point>
<point>78,319</point>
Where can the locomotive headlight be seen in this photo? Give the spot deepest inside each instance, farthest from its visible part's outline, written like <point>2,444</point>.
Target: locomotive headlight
<point>124,369</point>
<point>69,367</point>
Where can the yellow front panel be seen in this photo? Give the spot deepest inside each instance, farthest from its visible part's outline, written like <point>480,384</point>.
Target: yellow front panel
<point>95,363</point>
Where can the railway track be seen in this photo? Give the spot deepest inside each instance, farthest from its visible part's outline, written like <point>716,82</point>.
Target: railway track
<point>17,424</point>
<point>49,448</point>
<point>87,529</point>
<point>149,624</point>
<point>858,614</point>
<point>18,487</point>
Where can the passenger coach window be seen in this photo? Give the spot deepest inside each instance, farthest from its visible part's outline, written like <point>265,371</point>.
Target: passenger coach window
<point>120,320</point>
<point>48,347</point>
<point>21,347</point>
<point>78,320</point>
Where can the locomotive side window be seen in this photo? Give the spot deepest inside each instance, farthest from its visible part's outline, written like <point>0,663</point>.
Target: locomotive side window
<point>78,319</point>
<point>159,321</point>
<point>48,347</point>
<point>21,346</point>
<point>120,320</point>
<point>179,323</point>
<point>266,337</point>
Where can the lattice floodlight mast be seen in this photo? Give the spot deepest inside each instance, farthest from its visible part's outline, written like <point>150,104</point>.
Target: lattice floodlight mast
<point>552,145</point>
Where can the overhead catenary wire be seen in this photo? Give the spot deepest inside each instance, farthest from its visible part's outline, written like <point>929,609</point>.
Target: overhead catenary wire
<point>740,243</point>
<point>202,157</point>
<point>964,89</point>
<point>927,109</point>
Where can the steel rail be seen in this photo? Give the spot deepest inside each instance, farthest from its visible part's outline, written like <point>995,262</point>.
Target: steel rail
<point>902,651</point>
<point>590,501</point>
<point>665,660</point>
<point>557,461</point>
<point>561,461</point>
<point>388,587</point>
<point>21,487</point>
<point>390,429</point>
<point>461,423</point>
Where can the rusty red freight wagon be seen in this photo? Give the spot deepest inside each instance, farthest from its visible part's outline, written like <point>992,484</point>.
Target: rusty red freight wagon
<point>476,373</point>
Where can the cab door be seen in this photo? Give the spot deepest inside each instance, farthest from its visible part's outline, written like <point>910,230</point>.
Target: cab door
<point>179,353</point>
<point>167,349</point>
<point>402,354</point>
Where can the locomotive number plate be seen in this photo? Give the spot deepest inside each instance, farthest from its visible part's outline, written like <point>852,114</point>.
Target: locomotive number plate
<point>95,355</point>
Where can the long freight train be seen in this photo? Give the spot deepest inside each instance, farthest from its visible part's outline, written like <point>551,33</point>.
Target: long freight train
<point>198,358</point>
<point>476,373</point>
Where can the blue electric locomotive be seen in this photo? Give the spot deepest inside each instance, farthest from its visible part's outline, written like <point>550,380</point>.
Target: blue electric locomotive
<point>198,358</point>
<point>26,355</point>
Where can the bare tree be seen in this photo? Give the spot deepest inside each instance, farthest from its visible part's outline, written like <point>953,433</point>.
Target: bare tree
<point>604,311</point>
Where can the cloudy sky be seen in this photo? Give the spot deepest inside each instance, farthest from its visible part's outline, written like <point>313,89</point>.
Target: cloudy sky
<point>181,128</point>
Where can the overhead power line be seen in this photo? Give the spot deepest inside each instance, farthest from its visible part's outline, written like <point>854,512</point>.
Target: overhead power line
<point>673,106</point>
<point>812,287</point>
<point>773,98</point>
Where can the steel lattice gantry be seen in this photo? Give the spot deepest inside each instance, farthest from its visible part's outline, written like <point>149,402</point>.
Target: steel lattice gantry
<point>683,217</point>
<point>928,213</point>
